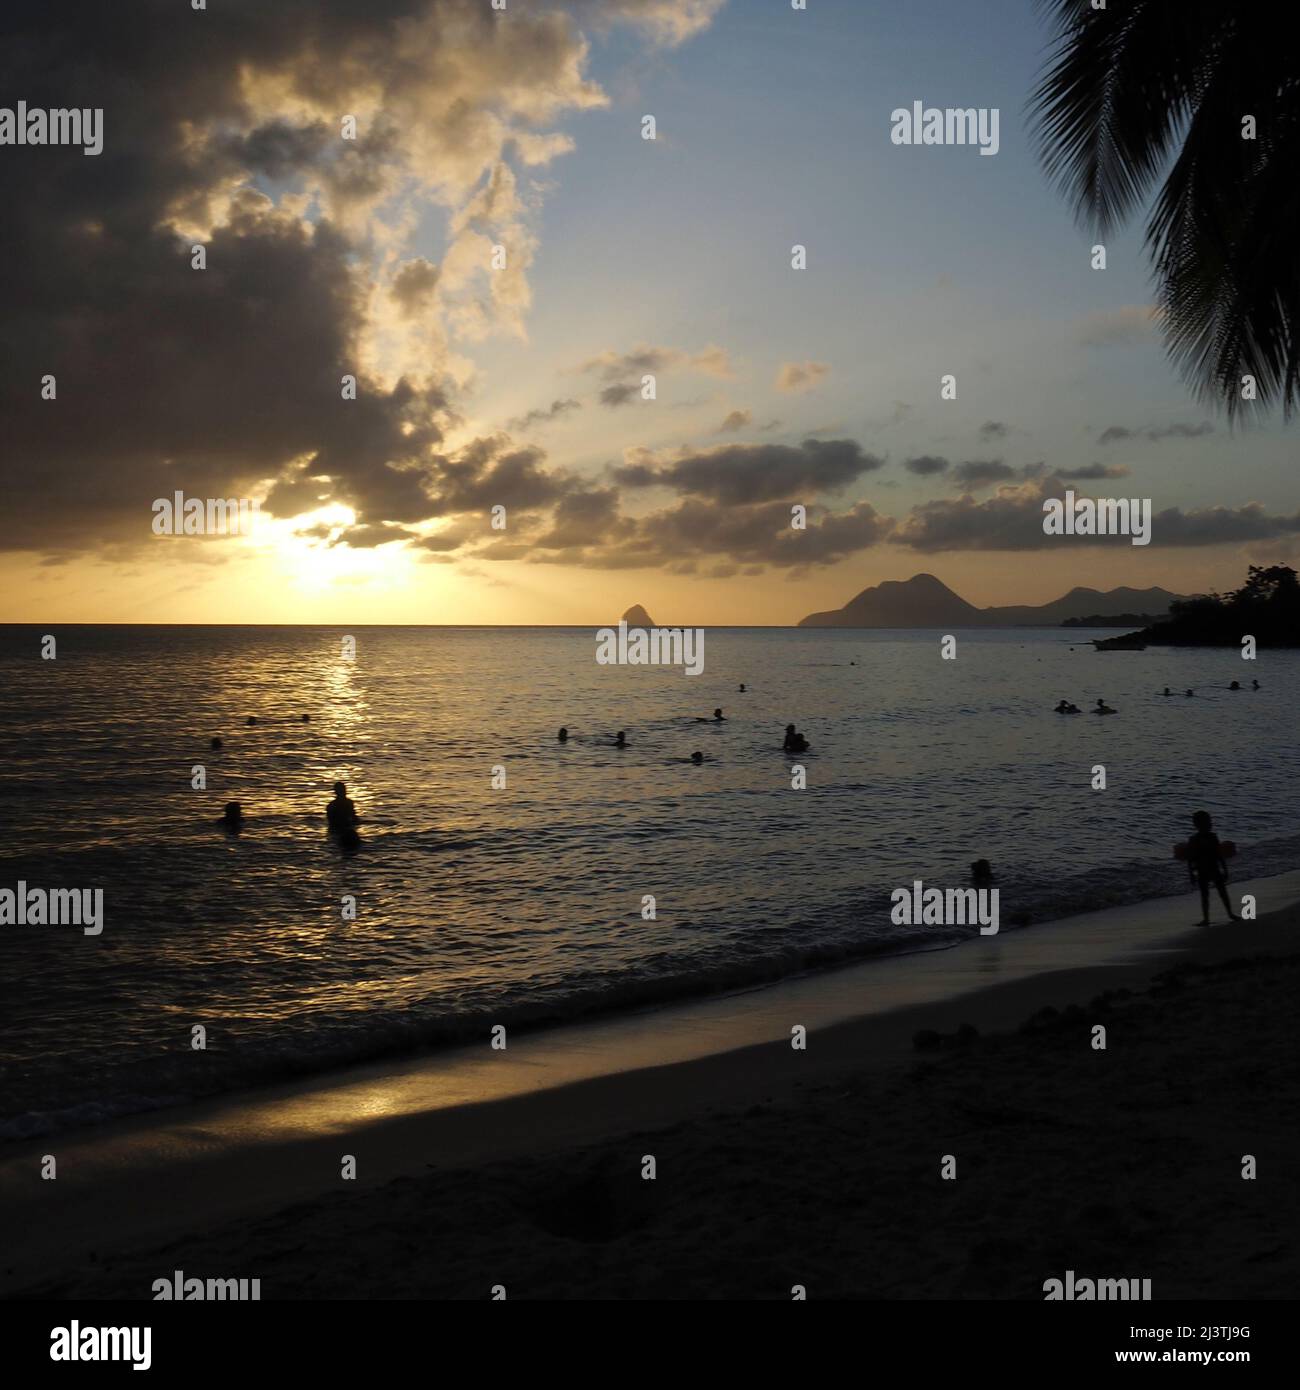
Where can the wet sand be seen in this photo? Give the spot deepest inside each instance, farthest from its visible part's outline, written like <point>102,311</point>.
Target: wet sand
<point>774,1166</point>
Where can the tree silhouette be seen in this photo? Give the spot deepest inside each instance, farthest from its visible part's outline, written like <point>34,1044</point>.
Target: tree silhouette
<point>1210,91</point>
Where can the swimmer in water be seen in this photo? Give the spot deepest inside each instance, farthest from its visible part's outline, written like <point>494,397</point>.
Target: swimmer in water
<point>620,740</point>
<point>306,719</point>
<point>341,814</point>
<point>1189,692</point>
<point>1063,707</point>
<point>563,736</point>
<point>1102,707</point>
<point>742,686</point>
<point>697,758</point>
<point>216,743</point>
<point>233,817</point>
<point>981,872</point>
<point>252,719</point>
<point>794,741</point>
<point>1254,685</point>
<point>1236,685</point>
<point>1166,691</point>
<point>1072,709</point>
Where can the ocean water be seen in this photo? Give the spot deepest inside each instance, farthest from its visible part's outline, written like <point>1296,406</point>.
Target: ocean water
<point>522,904</point>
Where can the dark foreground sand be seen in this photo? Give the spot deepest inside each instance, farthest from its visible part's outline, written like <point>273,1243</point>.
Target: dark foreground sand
<point>1122,1163</point>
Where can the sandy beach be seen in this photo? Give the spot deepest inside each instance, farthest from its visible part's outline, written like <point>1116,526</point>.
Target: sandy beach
<point>774,1167</point>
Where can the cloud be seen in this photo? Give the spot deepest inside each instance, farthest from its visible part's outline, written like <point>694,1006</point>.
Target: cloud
<point>926,465</point>
<point>747,473</point>
<point>1013,520</point>
<point>1093,470</point>
<point>554,411</point>
<point>641,361</point>
<point>619,395</point>
<point>737,420</point>
<point>366,537</point>
<point>1128,324</point>
<point>226,381</point>
<point>800,376</point>
<point>413,286</point>
<point>982,472</point>
<point>1115,434</point>
<point>669,22</point>
<point>992,429</point>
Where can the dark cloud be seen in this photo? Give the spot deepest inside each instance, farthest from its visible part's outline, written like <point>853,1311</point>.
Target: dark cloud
<point>620,394</point>
<point>760,534</point>
<point>982,472</point>
<point>926,465</point>
<point>992,429</point>
<point>413,285</point>
<point>744,473</point>
<point>736,420</point>
<point>541,417</point>
<point>1013,520</point>
<point>218,380</point>
<point>1115,434</point>
<point>1093,471</point>
<point>490,473</point>
<point>369,536</point>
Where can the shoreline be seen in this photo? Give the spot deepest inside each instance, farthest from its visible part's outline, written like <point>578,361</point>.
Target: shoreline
<point>152,1178</point>
<point>654,996</point>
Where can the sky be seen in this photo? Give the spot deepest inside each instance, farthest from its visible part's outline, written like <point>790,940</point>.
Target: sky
<point>500,258</point>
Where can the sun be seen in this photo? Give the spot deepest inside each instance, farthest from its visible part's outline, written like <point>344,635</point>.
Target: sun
<point>306,554</point>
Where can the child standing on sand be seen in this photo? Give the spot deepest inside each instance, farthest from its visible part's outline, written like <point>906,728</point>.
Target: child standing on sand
<point>1206,865</point>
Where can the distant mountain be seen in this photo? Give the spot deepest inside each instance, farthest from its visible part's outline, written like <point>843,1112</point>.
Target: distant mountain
<point>924,601</point>
<point>921,601</point>
<point>636,616</point>
<point>1085,603</point>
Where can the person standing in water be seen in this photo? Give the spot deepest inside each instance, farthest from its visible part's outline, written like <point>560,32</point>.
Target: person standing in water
<point>1206,865</point>
<point>341,813</point>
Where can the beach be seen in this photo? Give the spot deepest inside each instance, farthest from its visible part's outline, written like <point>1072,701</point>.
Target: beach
<point>773,1167</point>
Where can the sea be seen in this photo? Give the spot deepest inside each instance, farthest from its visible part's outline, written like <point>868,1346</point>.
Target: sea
<point>504,877</point>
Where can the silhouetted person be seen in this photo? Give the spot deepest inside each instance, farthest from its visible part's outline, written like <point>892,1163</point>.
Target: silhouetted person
<point>981,873</point>
<point>1254,685</point>
<point>1236,685</point>
<point>1189,692</point>
<point>621,740</point>
<point>1102,707</point>
<point>794,741</point>
<point>1167,691</point>
<point>216,743</point>
<point>341,814</point>
<point>742,685</point>
<point>252,719</point>
<point>233,817</point>
<point>306,719</point>
<point>718,716</point>
<point>1072,709</point>
<point>563,736</point>
<point>697,758</point>
<point>1063,707</point>
<point>1206,865</point>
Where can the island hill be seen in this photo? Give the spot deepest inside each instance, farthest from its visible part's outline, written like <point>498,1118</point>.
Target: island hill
<point>924,601</point>
<point>1265,608</point>
<point>636,616</point>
